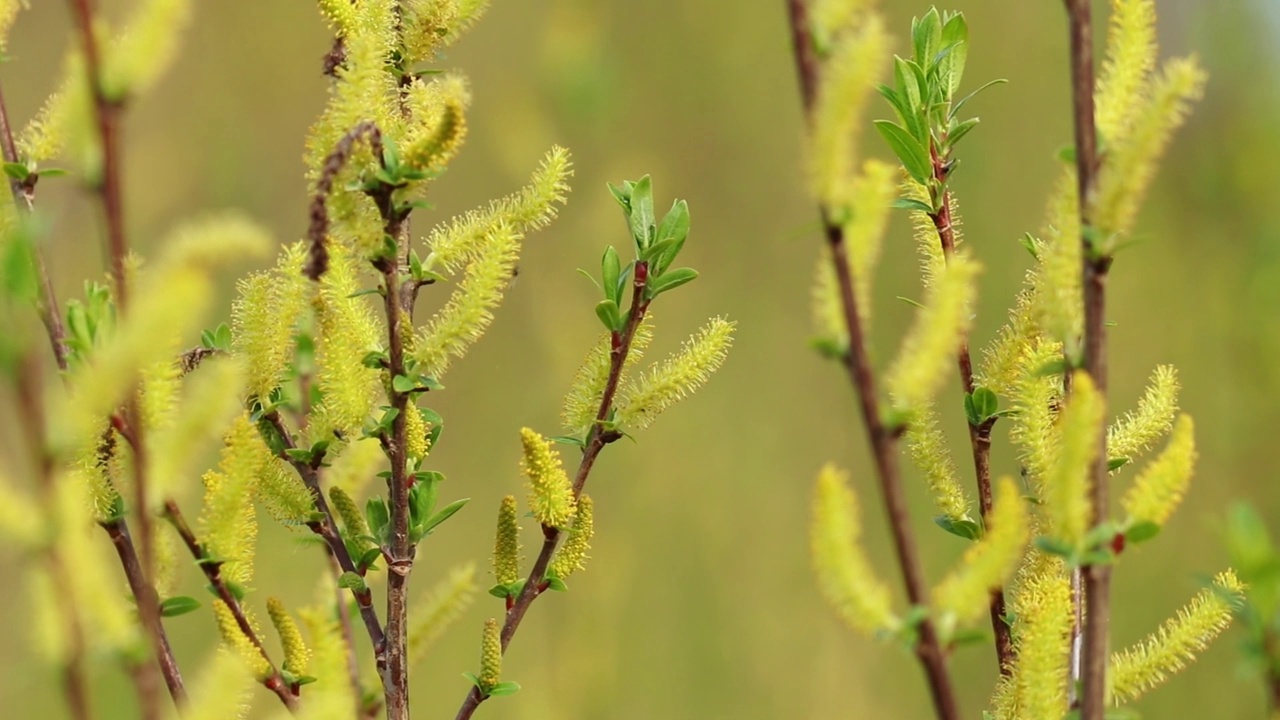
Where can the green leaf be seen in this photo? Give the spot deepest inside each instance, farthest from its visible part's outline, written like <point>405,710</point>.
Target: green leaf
<point>568,440</point>
<point>955,110</point>
<point>674,228</point>
<point>670,281</point>
<point>913,155</point>
<point>964,527</point>
<point>555,583</point>
<point>980,406</point>
<point>641,215</point>
<point>969,636</point>
<point>376,360</point>
<point>237,590</point>
<point>180,605</point>
<point>352,581</point>
<point>898,102</point>
<point>1116,463</point>
<point>435,422</point>
<point>610,270</point>
<point>53,172</point>
<point>912,204</point>
<point>445,513</point>
<point>507,687</point>
<point>402,384</point>
<point>926,36</point>
<point>17,171</point>
<point>1057,366</point>
<point>955,33</point>
<point>909,94</point>
<point>1029,242</point>
<point>378,517</point>
<point>1141,532</point>
<point>609,314</point>
<point>959,130</point>
<point>368,558</point>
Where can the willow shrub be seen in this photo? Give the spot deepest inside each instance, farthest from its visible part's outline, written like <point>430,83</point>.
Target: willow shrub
<point>1031,538</point>
<point>312,395</point>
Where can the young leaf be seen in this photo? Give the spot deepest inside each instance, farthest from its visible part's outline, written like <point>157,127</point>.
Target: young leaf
<point>641,215</point>
<point>610,316</point>
<point>670,281</point>
<point>610,269</point>
<point>180,605</point>
<point>445,513</point>
<point>913,155</point>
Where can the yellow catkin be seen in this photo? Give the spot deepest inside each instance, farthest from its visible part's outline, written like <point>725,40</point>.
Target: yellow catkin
<point>927,448</point>
<point>582,402</point>
<point>20,519</point>
<point>469,311</point>
<point>1066,493</point>
<point>227,522</point>
<point>444,604</point>
<point>928,351</point>
<point>1138,429</point>
<point>1139,669</point>
<point>210,400</point>
<point>826,306</point>
<point>870,201</point>
<point>348,331</point>
<point>1001,360</point>
<point>844,574</point>
<point>857,60</point>
<point>1037,686</point>
<point>221,691</point>
<point>146,47</point>
<point>438,124</point>
<point>965,594</point>
<point>236,640</point>
<point>572,555</point>
<point>1158,490</point>
<point>928,244</point>
<point>415,430</point>
<point>431,25</point>
<point>665,384</point>
<point>506,545</point>
<point>296,654</point>
<point>1131,56</point>
<point>265,316</point>
<point>550,494</point>
<point>44,136</point>
<point>490,656</point>
<point>1131,167</point>
<point>332,697</point>
<point>8,13</point>
<point>1035,398</point>
<point>1058,299</point>
<point>353,467</point>
<point>829,18</point>
<point>458,242</point>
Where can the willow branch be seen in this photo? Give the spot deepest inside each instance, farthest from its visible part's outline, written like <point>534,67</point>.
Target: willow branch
<point>881,437</point>
<point>1097,577</point>
<point>327,529</point>
<point>212,569</point>
<point>597,438</point>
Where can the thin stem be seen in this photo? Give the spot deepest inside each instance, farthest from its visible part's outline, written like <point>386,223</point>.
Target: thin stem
<point>979,435</point>
<point>348,638</point>
<point>212,570</point>
<point>882,438</point>
<point>326,528</point>
<point>24,197</point>
<point>1097,577</point>
<point>597,438</point>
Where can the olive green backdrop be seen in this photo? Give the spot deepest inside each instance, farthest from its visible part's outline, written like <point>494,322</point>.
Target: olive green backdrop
<point>699,601</point>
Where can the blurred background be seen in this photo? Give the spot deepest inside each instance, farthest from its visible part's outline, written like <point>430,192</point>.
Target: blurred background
<point>699,602</point>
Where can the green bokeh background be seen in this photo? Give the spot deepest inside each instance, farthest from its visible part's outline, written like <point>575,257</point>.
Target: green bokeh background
<point>699,602</point>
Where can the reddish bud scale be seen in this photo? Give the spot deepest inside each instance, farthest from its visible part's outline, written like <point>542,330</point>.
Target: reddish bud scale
<point>1117,543</point>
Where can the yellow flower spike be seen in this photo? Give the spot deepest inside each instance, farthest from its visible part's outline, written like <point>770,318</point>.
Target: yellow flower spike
<point>348,331</point>
<point>8,13</point>
<point>829,18</point>
<point>461,240</point>
<point>415,429</point>
<point>46,626</point>
<point>44,136</point>
<point>928,245</point>
<point>572,555</point>
<point>1159,488</point>
<point>341,15</point>
<point>965,594</point>
<point>1130,168</point>
<point>95,590</point>
<point>1066,489</point>
<point>352,468</point>
<point>1035,397</point>
<point>145,48</point>
<point>1131,57</point>
<point>826,306</point>
<point>221,691</point>
<point>165,577</point>
<point>550,494</point>
<point>582,402</point>
<point>644,399</point>
<point>1037,687</point>
<point>439,609</point>
<point>265,316</point>
<point>20,518</point>
<point>1142,667</point>
<point>353,521</point>
<point>1134,433</point>
<point>490,656</point>
<point>871,197</point>
<point>1058,299</point>
<point>210,400</point>
<point>332,697</point>
<point>928,450</point>
<point>856,61</point>
<point>235,639</point>
<point>1001,360</point>
<point>432,25</point>
<point>296,655</point>
<point>469,311</point>
<point>227,521</point>
<point>506,546</point>
<point>281,492</point>
<point>929,349</point>
<point>439,124</point>
<point>844,574</point>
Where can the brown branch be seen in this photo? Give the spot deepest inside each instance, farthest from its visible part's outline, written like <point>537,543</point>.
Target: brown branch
<point>318,230</point>
<point>212,569</point>
<point>327,529</point>
<point>596,440</point>
<point>348,638</point>
<point>881,437</point>
<point>1097,577</point>
<point>979,435</point>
